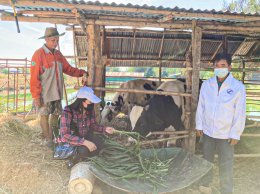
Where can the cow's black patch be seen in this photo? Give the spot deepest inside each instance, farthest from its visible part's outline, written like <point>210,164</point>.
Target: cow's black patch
<point>148,86</point>
<point>162,113</point>
<point>154,84</point>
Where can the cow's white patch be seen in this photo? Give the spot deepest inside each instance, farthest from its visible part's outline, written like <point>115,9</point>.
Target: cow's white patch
<point>128,100</point>
<point>135,115</point>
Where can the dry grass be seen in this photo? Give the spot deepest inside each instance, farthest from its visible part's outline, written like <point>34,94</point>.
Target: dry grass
<point>27,165</point>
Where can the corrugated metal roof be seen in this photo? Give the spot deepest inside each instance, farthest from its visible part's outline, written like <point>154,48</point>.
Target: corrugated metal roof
<point>145,6</point>
<point>138,14</point>
<point>146,48</point>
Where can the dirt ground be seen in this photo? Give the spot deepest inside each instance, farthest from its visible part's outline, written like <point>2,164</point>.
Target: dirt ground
<point>27,166</point>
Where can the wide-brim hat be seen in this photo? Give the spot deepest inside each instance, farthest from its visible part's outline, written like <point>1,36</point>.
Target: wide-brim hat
<point>88,93</point>
<point>51,32</point>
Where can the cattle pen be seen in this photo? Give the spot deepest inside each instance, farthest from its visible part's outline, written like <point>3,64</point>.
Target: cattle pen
<point>177,38</point>
<point>117,35</point>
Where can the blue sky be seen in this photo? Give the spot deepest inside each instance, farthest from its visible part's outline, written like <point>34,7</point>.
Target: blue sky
<point>15,45</point>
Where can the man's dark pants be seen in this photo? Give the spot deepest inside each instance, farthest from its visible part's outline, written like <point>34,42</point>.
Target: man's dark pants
<point>225,158</point>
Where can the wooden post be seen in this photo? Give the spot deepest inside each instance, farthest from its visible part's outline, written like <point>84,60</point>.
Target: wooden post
<point>95,66</point>
<point>192,81</point>
<point>244,73</point>
<point>225,44</point>
<point>160,56</point>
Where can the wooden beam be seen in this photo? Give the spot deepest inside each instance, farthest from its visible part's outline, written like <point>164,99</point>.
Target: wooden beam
<point>133,10</point>
<point>166,18</point>
<point>47,13</point>
<point>137,24</point>
<point>165,93</point>
<point>51,20</point>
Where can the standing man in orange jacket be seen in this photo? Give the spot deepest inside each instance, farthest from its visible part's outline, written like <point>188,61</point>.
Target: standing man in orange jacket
<point>46,84</point>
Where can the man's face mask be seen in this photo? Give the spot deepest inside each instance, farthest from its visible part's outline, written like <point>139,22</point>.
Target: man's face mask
<point>221,72</point>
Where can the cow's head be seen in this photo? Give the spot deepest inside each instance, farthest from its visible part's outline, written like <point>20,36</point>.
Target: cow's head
<point>111,110</point>
<point>148,122</point>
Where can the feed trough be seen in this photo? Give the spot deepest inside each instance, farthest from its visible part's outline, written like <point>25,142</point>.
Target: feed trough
<point>185,169</point>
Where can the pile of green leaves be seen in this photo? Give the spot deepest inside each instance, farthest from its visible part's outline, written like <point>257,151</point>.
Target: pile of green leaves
<point>127,162</point>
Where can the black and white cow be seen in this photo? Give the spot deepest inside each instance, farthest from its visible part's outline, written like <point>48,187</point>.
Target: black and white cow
<point>124,102</point>
<point>162,112</point>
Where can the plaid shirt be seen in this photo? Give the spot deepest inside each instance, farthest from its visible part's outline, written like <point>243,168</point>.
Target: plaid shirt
<point>84,123</point>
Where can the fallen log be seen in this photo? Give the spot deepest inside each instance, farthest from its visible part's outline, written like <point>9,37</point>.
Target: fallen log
<point>81,179</point>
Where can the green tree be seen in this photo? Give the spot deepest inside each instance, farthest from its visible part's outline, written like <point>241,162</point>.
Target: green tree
<point>247,6</point>
<point>150,72</point>
<point>165,73</point>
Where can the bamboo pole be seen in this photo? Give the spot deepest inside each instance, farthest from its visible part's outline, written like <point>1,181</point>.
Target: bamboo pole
<point>147,142</point>
<point>25,88</point>
<point>167,133</point>
<point>241,156</point>
<point>75,50</point>
<point>64,85</point>
<point>14,90</point>
<point>8,87</point>
<point>17,90</point>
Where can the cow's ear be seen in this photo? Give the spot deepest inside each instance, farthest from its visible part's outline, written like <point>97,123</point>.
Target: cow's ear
<point>146,107</point>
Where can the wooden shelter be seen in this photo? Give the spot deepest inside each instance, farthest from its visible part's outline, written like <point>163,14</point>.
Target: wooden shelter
<point>177,38</point>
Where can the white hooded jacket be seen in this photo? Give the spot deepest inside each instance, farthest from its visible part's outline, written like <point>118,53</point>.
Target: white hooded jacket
<point>221,114</point>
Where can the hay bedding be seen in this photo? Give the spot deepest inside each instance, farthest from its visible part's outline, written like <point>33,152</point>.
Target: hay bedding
<point>26,165</point>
